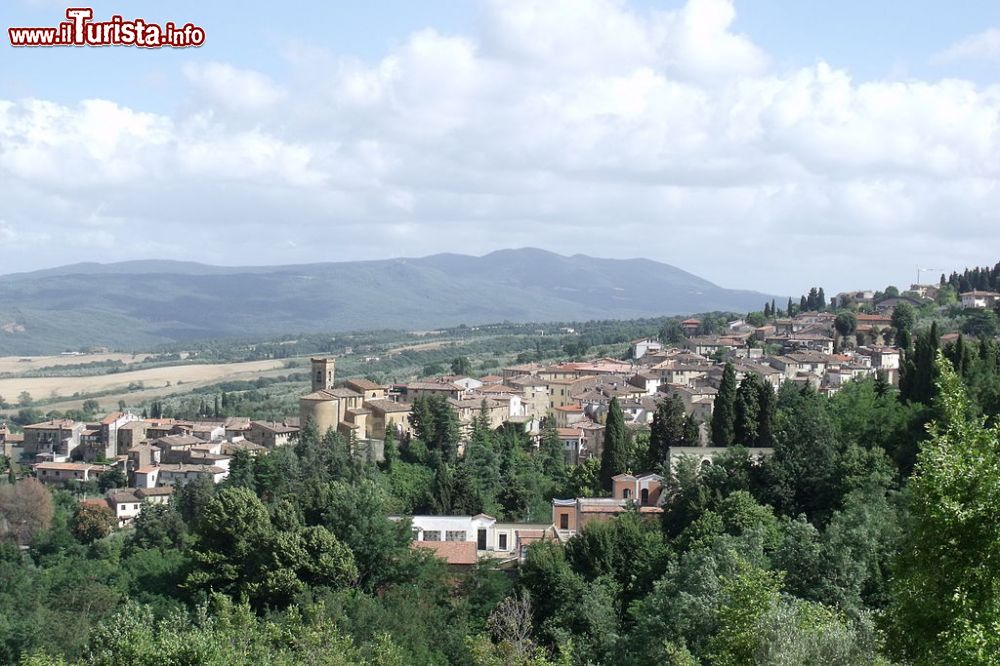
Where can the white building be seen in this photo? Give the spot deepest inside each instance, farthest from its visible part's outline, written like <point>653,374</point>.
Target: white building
<point>644,346</point>
<point>155,476</point>
<point>455,538</point>
<point>979,299</point>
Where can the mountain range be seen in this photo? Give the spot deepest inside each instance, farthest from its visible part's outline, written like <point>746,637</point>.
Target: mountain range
<point>139,304</point>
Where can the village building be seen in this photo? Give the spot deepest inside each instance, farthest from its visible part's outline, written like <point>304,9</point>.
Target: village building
<point>643,492</point>
<point>271,434</point>
<point>62,472</point>
<point>977,299</point>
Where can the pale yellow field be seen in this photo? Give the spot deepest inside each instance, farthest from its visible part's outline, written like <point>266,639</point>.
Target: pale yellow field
<point>190,376</point>
<point>20,364</point>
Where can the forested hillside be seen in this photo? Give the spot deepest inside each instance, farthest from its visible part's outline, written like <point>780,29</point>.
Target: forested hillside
<point>133,305</point>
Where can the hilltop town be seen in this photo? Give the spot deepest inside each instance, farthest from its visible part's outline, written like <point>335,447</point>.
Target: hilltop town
<point>564,471</point>
<point>141,460</point>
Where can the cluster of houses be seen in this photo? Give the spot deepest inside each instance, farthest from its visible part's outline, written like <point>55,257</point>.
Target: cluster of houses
<point>157,455</point>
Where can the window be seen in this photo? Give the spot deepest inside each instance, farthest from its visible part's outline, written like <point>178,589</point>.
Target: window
<point>626,493</point>
<point>454,535</point>
<point>481,539</point>
<point>645,496</point>
<point>432,535</point>
<point>564,521</point>
<point>502,541</point>
<point>135,506</point>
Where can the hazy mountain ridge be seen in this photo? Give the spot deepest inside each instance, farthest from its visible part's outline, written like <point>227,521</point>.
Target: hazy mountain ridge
<point>137,304</point>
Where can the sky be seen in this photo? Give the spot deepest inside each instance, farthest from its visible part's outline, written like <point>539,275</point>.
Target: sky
<point>761,144</point>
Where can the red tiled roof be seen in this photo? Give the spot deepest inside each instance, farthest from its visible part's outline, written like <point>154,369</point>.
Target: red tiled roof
<point>452,552</point>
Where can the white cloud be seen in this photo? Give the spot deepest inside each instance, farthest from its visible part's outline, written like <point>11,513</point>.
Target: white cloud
<point>984,46</point>
<point>232,88</point>
<point>580,126</point>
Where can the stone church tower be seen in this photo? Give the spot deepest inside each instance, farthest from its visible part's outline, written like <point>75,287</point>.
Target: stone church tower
<point>323,370</point>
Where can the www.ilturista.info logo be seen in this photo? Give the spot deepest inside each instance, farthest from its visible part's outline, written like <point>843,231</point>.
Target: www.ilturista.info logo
<point>81,30</point>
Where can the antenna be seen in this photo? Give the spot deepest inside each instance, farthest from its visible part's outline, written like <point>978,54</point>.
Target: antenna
<point>925,270</point>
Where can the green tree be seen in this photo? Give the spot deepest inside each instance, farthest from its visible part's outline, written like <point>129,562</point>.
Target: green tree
<point>945,593</point>
<point>670,428</point>
<point>845,323</point>
<point>390,449</point>
<point>918,374</point>
<point>805,474</point>
<point>615,456</point>
<point>552,451</point>
<point>112,478</point>
<point>158,526</point>
<point>981,323</point>
<point>724,409</point>
<point>904,318</point>
<point>746,423</point>
<point>461,365</point>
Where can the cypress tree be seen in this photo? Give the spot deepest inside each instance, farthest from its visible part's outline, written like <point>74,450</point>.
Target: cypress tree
<point>821,299</point>
<point>882,387</point>
<point>803,304</point>
<point>668,430</point>
<point>788,312</point>
<point>774,312</point>
<point>551,450</point>
<point>724,410</point>
<point>747,411</point>
<point>765,414</point>
<point>614,458</point>
<point>692,433</point>
<point>442,488</point>
<point>390,448</point>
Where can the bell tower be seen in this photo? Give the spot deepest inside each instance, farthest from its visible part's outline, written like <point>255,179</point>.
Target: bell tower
<point>323,373</point>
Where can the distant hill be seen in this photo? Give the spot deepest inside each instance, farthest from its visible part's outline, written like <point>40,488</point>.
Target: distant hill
<point>138,304</point>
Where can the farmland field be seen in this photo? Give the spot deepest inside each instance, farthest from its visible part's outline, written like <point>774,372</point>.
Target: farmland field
<point>161,379</point>
<point>21,364</point>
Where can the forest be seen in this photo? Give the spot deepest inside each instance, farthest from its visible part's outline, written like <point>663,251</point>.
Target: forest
<point>868,537</point>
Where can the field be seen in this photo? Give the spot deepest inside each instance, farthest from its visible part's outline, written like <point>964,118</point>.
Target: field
<point>154,382</point>
<point>21,364</point>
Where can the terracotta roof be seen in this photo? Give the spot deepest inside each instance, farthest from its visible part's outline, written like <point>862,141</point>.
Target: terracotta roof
<point>388,406</point>
<point>274,426</point>
<point>70,467</point>
<point>52,425</point>
<point>111,418</point>
<point>155,492</point>
<point>496,388</point>
<point>433,386</point>
<point>452,552</point>
<point>363,384</point>
<point>179,440</point>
